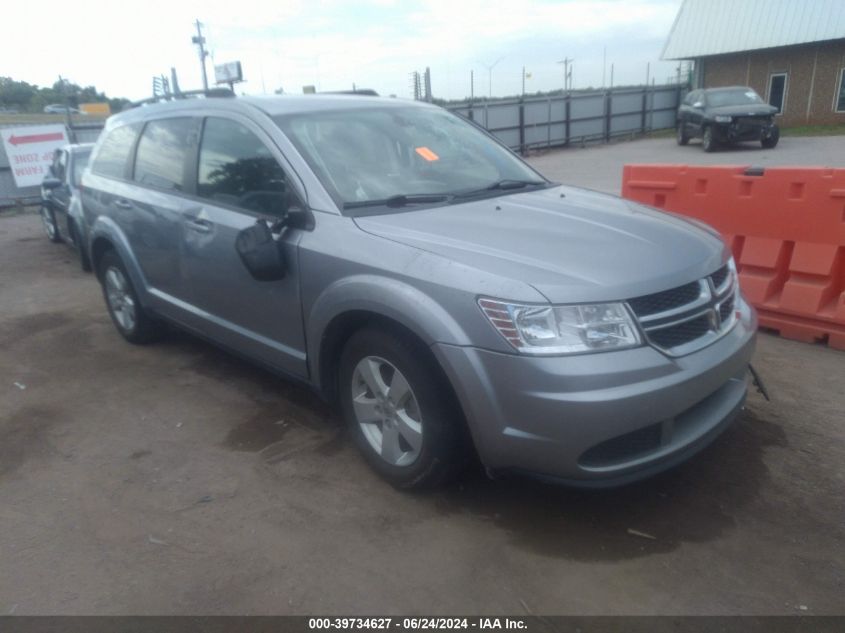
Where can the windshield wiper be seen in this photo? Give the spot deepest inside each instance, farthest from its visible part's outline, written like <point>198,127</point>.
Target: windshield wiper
<point>400,200</point>
<point>502,185</point>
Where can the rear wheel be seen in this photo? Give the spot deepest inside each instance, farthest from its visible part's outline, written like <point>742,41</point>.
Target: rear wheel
<point>771,140</point>
<point>682,137</point>
<point>48,219</point>
<point>133,322</point>
<point>708,140</point>
<point>399,411</point>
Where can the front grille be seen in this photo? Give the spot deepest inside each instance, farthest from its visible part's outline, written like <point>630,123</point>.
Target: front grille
<point>726,309</point>
<point>665,300</point>
<point>719,276</point>
<point>686,318</point>
<point>623,447</point>
<point>682,333</point>
<point>751,121</point>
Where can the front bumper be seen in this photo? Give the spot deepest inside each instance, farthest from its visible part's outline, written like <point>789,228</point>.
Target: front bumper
<point>600,419</point>
<point>743,131</point>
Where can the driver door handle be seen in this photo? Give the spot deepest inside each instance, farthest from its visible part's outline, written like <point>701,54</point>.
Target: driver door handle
<point>198,225</point>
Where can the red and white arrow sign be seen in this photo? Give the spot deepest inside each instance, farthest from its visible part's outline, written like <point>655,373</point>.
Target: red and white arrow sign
<point>36,138</point>
<point>30,150</point>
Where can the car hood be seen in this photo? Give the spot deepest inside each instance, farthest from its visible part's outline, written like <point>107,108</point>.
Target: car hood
<point>570,244</point>
<point>751,109</point>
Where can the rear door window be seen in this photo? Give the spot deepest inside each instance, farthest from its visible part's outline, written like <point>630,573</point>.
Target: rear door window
<point>161,154</point>
<point>237,169</point>
<point>113,154</point>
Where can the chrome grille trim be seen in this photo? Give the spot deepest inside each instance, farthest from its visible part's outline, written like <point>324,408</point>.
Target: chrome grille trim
<point>704,297</point>
<point>709,303</point>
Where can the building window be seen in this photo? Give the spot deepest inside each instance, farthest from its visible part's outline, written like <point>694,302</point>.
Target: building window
<point>777,91</point>
<point>839,104</point>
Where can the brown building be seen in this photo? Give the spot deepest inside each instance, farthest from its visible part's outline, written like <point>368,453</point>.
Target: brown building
<point>792,52</point>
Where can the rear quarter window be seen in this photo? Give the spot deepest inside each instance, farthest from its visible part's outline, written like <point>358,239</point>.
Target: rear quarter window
<point>114,152</point>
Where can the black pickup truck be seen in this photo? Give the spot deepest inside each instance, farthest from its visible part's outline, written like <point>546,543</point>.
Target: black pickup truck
<point>724,116</point>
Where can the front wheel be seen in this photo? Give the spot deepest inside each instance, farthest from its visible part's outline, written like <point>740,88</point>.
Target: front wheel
<point>708,140</point>
<point>48,219</point>
<point>130,318</point>
<point>682,137</point>
<point>771,139</point>
<point>399,410</point>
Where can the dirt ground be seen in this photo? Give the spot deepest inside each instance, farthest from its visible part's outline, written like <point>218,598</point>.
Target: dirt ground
<point>175,479</point>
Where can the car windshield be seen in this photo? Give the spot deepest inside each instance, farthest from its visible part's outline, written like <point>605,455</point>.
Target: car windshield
<point>739,96</point>
<point>394,156</point>
<point>80,162</point>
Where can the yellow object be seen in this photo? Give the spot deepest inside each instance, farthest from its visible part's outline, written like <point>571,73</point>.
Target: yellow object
<point>95,108</point>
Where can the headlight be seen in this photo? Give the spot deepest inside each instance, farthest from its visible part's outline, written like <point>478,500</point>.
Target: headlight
<point>568,329</point>
<point>722,118</point>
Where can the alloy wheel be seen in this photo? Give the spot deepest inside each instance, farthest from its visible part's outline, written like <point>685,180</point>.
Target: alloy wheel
<point>49,223</point>
<point>120,299</point>
<point>387,411</point>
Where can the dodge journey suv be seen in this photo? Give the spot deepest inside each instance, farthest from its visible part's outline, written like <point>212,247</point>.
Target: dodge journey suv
<point>410,268</point>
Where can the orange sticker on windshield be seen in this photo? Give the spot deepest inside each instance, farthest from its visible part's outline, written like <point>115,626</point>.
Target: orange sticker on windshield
<point>427,154</point>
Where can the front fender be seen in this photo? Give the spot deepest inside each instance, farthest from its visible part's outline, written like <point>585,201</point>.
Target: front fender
<point>387,297</point>
<point>106,228</point>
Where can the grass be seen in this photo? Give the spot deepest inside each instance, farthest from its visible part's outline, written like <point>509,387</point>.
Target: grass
<point>814,130</point>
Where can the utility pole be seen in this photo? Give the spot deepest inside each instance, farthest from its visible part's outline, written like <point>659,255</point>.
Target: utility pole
<point>604,68</point>
<point>567,73</point>
<point>199,40</point>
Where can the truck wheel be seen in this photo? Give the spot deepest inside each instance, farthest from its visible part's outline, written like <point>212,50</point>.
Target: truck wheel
<point>133,322</point>
<point>682,137</point>
<point>768,142</point>
<point>393,402</point>
<point>48,219</point>
<point>708,141</point>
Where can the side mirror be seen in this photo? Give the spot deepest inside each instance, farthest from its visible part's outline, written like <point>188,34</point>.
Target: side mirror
<point>698,104</point>
<point>51,182</point>
<point>261,253</point>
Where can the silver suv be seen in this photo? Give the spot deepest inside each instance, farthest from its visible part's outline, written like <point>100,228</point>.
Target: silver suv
<point>412,269</point>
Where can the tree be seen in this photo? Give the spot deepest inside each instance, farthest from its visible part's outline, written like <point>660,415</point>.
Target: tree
<point>30,98</point>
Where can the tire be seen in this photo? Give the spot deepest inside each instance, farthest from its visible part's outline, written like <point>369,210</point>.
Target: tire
<point>132,321</point>
<point>415,440</point>
<point>708,141</point>
<point>682,137</point>
<point>48,219</point>
<point>769,142</point>
<point>84,260</point>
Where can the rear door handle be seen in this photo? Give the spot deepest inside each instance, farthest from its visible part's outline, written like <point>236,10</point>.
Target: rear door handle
<point>200,226</point>
<point>123,204</point>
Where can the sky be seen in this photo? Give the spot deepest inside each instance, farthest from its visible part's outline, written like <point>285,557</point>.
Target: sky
<point>332,44</point>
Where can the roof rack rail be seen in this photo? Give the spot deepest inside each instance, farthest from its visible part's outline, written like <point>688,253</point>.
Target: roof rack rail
<point>184,94</point>
<point>364,92</point>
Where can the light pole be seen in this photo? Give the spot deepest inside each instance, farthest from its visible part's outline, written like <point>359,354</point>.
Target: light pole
<point>490,68</point>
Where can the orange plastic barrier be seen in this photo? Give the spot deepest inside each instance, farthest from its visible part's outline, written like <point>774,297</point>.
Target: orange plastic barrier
<point>786,227</point>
